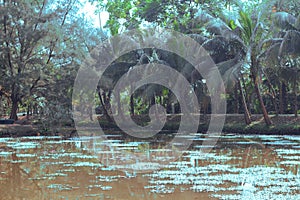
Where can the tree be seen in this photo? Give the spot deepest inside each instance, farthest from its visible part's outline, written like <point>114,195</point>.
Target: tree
<point>185,17</point>
<point>252,36</point>
<point>238,36</point>
<point>282,54</point>
<point>36,41</point>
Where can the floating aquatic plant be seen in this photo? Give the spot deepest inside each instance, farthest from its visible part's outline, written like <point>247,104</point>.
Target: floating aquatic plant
<point>106,188</point>
<point>5,153</point>
<point>222,172</point>
<point>25,155</point>
<point>60,187</point>
<point>55,175</point>
<point>83,164</point>
<point>24,145</point>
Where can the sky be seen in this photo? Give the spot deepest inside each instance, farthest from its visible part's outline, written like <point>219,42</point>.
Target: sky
<point>89,11</point>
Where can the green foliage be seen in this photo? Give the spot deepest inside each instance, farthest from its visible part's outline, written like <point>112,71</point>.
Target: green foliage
<point>247,26</point>
<point>232,25</point>
<point>228,31</point>
<point>44,44</point>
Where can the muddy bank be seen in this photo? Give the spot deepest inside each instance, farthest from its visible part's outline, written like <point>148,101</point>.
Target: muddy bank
<point>234,123</point>
<point>17,130</point>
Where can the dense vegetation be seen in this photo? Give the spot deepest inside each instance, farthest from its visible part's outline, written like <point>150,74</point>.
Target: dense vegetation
<point>256,46</point>
<point>42,46</point>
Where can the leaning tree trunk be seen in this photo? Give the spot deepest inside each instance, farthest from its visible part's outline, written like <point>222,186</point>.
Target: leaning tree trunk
<point>254,70</point>
<point>247,115</point>
<point>246,94</point>
<point>262,105</point>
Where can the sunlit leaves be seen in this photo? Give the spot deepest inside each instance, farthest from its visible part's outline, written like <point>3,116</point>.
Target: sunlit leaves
<point>232,25</point>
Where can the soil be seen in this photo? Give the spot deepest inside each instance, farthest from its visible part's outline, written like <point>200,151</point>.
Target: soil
<point>234,123</point>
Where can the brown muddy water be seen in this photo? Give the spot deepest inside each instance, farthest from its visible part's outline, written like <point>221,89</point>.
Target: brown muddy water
<point>238,167</point>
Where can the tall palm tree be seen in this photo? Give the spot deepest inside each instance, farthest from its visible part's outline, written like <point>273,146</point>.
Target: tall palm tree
<point>233,49</point>
<point>252,37</point>
<point>282,54</point>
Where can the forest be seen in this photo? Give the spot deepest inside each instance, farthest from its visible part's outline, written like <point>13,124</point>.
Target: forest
<point>152,99</point>
<point>254,44</point>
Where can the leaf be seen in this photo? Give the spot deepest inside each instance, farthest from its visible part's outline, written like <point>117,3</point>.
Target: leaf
<point>232,24</point>
<point>199,38</point>
<point>297,23</point>
<point>230,76</point>
<point>271,56</point>
<point>284,20</point>
<point>290,44</point>
<point>246,25</point>
<point>203,17</point>
<point>216,27</point>
<point>269,42</point>
<point>221,49</point>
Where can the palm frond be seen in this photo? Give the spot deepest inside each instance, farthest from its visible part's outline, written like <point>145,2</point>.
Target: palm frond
<point>290,44</point>
<point>265,44</point>
<point>284,20</point>
<point>246,25</point>
<point>270,56</point>
<point>297,23</point>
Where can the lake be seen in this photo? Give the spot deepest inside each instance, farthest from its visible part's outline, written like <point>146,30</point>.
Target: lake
<point>238,167</point>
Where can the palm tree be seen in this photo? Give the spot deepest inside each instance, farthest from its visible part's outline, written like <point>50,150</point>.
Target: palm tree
<point>251,36</point>
<point>234,49</point>
<point>282,54</point>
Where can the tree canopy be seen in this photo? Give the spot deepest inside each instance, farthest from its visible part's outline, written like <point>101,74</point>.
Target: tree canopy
<point>254,44</point>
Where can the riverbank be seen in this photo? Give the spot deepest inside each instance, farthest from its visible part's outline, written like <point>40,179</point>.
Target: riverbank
<point>282,125</point>
<point>234,123</point>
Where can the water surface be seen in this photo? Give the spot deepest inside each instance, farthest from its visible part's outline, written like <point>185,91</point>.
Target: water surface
<point>238,167</point>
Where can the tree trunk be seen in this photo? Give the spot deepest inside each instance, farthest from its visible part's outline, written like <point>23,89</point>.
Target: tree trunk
<point>262,105</point>
<point>273,95</point>
<point>295,99</point>
<point>90,111</point>
<point>246,111</point>
<point>28,111</point>
<point>236,97</point>
<point>104,107</point>
<point>14,110</point>
<point>152,101</point>
<point>283,96</point>
<point>132,105</point>
<point>246,95</point>
<point>119,110</point>
<point>281,109</point>
<point>254,72</point>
